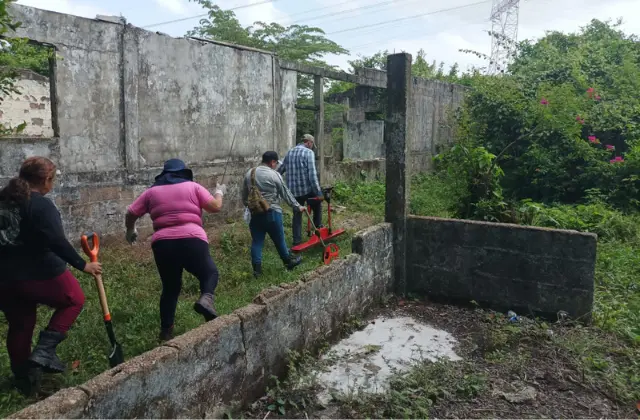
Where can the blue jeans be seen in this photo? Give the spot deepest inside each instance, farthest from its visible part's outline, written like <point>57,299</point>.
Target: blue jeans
<point>263,224</point>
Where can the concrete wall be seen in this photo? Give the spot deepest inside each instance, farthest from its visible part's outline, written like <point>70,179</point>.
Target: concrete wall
<point>429,122</point>
<point>232,358</point>
<point>364,140</point>
<point>127,99</point>
<point>529,270</point>
<point>428,115</point>
<point>31,105</point>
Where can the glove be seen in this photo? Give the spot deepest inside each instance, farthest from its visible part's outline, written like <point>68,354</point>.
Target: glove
<point>132,236</point>
<point>220,189</point>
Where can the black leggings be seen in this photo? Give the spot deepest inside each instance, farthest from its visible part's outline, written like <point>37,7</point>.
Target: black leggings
<point>174,255</point>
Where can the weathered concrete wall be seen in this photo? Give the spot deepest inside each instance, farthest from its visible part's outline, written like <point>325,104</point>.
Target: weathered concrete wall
<point>232,358</point>
<point>32,105</point>
<point>429,121</point>
<point>529,270</point>
<point>127,99</point>
<point>364,140</point>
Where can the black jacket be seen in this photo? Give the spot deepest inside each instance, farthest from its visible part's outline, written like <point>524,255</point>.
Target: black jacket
<point>44,251</point>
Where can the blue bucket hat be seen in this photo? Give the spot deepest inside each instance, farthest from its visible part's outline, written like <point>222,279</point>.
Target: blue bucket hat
<point>174,172</point>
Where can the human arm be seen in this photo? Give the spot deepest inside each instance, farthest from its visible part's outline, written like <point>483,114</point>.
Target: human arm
<point>286,194</point>
<point>208,202</point>
<point>313,173</point>
<point>136,210</point>
<point>47,225</point>
<point>283,167</point>
<point>245,191</point>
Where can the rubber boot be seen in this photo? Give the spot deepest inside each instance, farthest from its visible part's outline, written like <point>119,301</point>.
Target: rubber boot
<point>166,334</point>
<point>293,261</point>
<point>44,355</point>
<point>204,306</point>
<point>27,379</point>
<point>257,270</point>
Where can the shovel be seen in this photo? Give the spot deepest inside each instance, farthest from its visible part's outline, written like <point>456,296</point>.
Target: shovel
<point>116,356</point>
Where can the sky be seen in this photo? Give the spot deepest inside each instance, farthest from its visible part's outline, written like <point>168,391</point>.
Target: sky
<point>440,27</point>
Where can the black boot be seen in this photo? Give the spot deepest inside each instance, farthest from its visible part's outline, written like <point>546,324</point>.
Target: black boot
<point>257,270</point>
<point>27,379</point>
<point>44,355</point>
<point>166,334</point>
<point>293,261</point>
<point>204,306</point>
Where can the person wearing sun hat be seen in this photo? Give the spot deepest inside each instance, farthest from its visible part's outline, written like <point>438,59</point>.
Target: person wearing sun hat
<point>175,203</point>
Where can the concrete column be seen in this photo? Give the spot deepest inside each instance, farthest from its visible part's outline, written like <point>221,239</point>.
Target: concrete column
<point>318,98</point>
<point>396,139</point>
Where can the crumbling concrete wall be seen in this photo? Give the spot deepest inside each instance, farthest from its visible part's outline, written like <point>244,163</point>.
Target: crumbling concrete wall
<point>127,99</point>
<point>430,125</point>
<point>529,270</point>
<point>31,105</point>
<point>231,359</point>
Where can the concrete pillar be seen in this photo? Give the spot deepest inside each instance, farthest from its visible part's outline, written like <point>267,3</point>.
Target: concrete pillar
<point>318,99</point>
<point>396,139</point>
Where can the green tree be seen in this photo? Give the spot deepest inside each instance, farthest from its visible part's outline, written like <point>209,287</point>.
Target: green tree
<point>563,108</point>
<point>7,74</point>
<point>23,54</point>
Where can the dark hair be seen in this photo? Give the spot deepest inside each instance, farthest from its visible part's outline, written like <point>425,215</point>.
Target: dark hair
<point>33,172</point>
<point>269,157</point>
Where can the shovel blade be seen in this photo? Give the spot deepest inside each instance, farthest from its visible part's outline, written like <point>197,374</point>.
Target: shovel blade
<point>117,355</point>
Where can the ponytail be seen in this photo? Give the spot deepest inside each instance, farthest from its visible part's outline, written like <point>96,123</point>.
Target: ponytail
<point>16,192</point>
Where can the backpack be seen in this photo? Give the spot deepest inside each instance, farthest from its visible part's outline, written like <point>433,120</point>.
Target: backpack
<point>257,203</point>
<point>9,224</point>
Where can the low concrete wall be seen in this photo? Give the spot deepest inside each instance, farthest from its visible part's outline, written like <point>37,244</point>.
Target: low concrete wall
<point>528,270</point>
<point>231,359</point>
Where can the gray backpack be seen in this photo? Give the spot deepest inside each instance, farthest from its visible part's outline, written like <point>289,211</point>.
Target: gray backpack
<point>9,224</point>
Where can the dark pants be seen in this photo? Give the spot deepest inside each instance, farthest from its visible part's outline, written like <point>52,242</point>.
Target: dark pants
<point>263,224</point>
<point>172,257</point>
<point>19,301</point>
<point>316,208</point>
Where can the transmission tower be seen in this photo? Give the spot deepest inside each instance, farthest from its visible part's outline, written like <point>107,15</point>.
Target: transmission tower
<point>504,28</point>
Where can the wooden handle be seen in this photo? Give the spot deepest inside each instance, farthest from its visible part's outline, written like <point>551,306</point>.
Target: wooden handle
<point>103,298</point>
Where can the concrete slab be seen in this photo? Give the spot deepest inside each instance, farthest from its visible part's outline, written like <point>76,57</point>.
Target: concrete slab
<point>365,361</point>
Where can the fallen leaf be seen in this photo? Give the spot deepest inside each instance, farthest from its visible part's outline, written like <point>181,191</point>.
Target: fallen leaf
<point>401,303</point>
<point>75,365</point>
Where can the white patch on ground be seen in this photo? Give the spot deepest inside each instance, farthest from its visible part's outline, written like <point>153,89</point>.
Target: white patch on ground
<point>364,361</point>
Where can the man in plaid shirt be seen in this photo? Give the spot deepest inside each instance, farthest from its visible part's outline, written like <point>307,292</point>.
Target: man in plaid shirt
<point>302,180</point>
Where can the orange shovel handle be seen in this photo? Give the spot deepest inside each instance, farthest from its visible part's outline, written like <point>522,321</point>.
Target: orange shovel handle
<point>92,252</point>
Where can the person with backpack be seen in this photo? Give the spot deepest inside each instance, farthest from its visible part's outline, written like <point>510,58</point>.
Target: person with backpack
<point>175,203</point>
<point>34,254</point>
<point>263,190</point>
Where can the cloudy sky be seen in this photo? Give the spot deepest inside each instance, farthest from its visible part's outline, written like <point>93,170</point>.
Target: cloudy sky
<point>440,27</point>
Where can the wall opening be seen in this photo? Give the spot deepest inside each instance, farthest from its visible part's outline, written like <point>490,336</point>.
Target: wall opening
<point>27,99</point>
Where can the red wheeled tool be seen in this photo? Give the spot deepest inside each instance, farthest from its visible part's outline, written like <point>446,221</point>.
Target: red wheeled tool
<point>323,234</point>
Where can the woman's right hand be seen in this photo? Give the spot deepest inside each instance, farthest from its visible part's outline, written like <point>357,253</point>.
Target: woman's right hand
<point>93,268</point>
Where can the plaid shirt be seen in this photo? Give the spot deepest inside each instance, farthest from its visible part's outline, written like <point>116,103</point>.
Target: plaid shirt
<point>302,178</point>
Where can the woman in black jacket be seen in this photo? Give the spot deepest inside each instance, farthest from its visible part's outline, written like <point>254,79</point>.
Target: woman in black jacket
<point>34,254</point>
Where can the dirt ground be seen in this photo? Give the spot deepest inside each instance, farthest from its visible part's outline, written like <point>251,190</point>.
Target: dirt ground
<point>522,369</point>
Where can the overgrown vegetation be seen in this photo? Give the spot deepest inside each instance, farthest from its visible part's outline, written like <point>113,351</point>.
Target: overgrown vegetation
<point>130,275</point>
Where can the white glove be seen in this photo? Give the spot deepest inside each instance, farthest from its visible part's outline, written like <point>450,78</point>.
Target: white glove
<point>220,189</point>
<point>132,236</point>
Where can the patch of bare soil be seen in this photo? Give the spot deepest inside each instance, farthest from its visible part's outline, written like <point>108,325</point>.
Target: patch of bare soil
<point>510,369</point>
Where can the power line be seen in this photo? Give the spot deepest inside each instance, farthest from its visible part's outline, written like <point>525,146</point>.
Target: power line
<point>408,17</point>
<point>398,36</point>
<point>206,14</point>
<point>382,3</point>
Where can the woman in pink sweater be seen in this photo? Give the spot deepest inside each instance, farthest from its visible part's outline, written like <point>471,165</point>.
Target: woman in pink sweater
<point>175,204</point>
